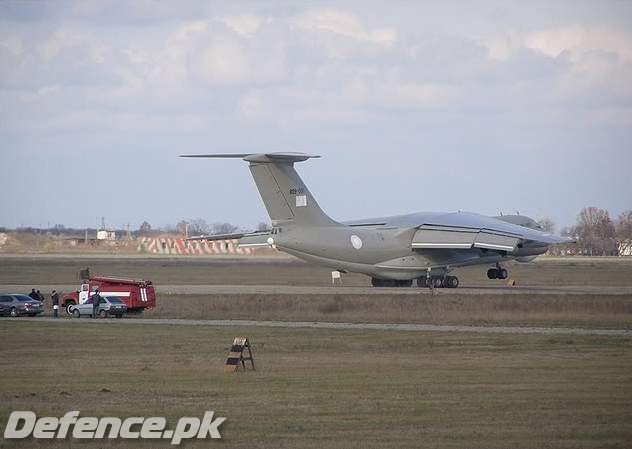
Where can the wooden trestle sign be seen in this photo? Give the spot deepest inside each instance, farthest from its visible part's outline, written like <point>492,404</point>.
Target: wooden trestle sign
<point>236,355</point>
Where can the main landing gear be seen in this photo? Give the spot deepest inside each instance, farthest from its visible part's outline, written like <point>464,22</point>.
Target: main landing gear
<point>376,282</point>
<point>438,282</point>
<point>497,273</point>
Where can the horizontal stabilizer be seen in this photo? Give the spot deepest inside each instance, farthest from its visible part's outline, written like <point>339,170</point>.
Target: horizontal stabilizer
<point>231,236</point>
<point>218,155</point>
<point>256,240</point>
<point>258,157</point>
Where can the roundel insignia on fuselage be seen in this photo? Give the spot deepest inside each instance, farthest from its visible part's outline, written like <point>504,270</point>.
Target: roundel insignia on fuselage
<point>356,241</point>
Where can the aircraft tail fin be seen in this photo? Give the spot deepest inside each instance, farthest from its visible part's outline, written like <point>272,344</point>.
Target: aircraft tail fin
<point>284,194</point>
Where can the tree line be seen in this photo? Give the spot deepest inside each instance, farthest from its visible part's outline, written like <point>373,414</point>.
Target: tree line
<point>196,227</point>
<point>595,233</point>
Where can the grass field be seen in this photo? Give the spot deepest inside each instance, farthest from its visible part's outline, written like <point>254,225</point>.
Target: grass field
<point>449,307</point>
<point>289,271</point>
<point>333,388</point>
<point>320,388</point>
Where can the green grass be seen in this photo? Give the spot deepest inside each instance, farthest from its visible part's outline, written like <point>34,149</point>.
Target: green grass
<point>326,388</point>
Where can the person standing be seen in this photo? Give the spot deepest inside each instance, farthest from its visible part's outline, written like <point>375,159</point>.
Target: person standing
<point>55,301</point>
<point>96,300</point>
<point>33,295</point>
<point>40,297</point>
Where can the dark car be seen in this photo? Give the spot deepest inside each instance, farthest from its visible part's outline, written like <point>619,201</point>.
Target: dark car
<point>17,304</point>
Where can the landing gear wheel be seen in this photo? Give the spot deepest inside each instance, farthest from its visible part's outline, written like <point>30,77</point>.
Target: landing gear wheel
<point>451,281</point>
<point>436,282</point>
<point>375,282</point>
<point>497,273</point>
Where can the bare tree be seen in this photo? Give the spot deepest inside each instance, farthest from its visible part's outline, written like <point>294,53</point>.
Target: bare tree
<point>198,227</point>
<point>181,227</point>
<point>595,232</point>
<point>145,228</point>
<point>224,228</point>
<point>623,227</point>
<point>169,228</point>
<point>547,224</point>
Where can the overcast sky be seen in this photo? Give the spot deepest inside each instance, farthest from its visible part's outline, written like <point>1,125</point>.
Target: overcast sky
<point>478,106</point>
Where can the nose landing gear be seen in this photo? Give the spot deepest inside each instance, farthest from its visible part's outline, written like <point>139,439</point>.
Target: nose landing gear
<point>497,273</point>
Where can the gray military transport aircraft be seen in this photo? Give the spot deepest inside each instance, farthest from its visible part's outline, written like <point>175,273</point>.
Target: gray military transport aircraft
<point>393,251</point>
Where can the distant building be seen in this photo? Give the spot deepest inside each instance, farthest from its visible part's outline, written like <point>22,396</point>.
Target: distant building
<point>106,235</point>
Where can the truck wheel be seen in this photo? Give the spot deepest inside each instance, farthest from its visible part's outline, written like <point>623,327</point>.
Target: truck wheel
<point>103,314</point>
<point>14,312</point>
<point>76,313</point>
<point>69,304</point>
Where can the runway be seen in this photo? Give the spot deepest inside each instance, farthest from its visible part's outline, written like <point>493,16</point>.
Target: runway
<point>625,333</point>
<point>227,290</point>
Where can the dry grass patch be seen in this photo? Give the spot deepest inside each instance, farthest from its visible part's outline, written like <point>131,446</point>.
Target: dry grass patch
<point>444,308</point>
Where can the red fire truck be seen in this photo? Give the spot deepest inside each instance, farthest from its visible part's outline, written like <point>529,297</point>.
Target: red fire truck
<point>137,295</point>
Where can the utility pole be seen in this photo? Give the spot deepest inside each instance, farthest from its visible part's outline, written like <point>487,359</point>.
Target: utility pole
<point>129,236</point>
<point>103,223</point>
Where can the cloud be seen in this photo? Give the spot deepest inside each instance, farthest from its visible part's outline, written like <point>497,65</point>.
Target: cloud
<point>245,24</point>
<point>497,81</point>
<point>344,24</point>
<point>224,57</point>
<point>578,40</point>
<point>319,65</point>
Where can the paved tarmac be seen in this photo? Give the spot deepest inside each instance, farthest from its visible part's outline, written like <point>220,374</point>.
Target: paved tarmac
<point>225,290</point>
<point>626,333</point>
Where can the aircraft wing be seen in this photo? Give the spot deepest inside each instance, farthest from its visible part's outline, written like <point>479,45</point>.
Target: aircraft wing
<point>467,230</point>
<point>246,239</point>
<point>463,230</point>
